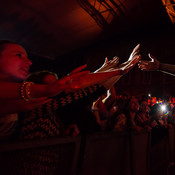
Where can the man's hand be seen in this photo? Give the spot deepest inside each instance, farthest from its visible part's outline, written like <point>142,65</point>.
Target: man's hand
<point>149,65</point>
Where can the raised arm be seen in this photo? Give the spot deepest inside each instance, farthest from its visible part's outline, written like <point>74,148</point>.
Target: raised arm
<point>76,80</point>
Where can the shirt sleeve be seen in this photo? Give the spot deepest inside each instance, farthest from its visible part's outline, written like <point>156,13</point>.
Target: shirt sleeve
<point>83,96</point>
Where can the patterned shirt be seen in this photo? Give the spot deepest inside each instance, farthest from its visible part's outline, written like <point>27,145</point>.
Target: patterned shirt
<point>41,122</point>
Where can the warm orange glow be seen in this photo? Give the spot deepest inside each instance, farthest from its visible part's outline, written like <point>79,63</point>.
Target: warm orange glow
<point>170,8</point>
<point>107,9</point>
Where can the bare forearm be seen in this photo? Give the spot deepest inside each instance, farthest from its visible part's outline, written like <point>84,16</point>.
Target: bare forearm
<point>111,81</point>
<point>167,68</point>
<point>10,90</point>
<point>47,90</point>
<point>97,78</point>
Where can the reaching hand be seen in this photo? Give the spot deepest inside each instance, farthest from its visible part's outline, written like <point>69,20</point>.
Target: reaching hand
<point>74,75</point>
<point>68,83</point>
<point>112,64</point>
<point>123,68</point>
<point>78,69</point>
<point>126,67</point>
<point>134,53</point>
<point>107,65</point>
<point>149,65</point>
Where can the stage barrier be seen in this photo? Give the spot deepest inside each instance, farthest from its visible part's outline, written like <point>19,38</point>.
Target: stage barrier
<point>101,153</point>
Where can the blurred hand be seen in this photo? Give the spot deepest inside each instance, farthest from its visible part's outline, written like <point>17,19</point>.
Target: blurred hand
<point>74,75</point>
<point>71,81</point>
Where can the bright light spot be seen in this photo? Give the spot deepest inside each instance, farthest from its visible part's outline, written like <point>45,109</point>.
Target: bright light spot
<point>163,108</point>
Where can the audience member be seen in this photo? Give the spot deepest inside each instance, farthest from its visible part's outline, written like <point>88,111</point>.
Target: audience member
<point>143,114</point>
<point>128,119</point>
<point>14,68</point>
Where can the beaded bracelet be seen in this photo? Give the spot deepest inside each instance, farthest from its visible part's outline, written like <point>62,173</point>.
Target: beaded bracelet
<point>28,92</point>
<point>25,90</point>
